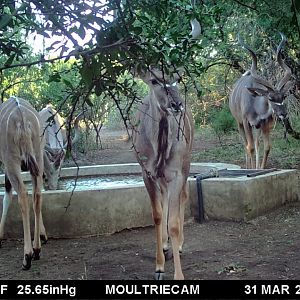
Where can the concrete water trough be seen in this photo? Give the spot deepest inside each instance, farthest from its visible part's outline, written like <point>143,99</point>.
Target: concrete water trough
<point>101,208</point>
<point>241,195</point>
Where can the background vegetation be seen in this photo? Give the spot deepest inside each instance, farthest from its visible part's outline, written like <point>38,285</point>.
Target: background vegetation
<point>79,53</point>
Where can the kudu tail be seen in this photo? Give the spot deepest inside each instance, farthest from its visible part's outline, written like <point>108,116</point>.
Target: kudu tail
<point>23,139</point>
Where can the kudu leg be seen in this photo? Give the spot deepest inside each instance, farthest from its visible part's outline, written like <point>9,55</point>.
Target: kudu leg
<point>160,256</point>
<point>256,133</point>
<point>249,145</point>
<point>7,199</point>
<point>267,145</point>
<point>19,187</point>
<point>165,236</point>
<point>37,208</point>
<point>243,135</point>
<point>157,215</point>
<point>174,222</point>
<point>43,234</point>
<point>24,206</point>
<point>183,199</point>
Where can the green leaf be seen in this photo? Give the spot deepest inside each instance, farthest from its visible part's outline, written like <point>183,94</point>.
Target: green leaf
<point>89,102</point>
<point>53,44</point>
<point>138,30</point>
<point>10,60</point>
<point>81,32</point>
<point>54,78</point>
<point>22,7</point>
<point>99,88</point>
<point>45,34</point>
<point>87,75</point>
<point>68,83</point>
<point>4,20</point>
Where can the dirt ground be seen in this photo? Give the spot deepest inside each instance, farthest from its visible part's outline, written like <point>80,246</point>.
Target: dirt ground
<point>264,248</point>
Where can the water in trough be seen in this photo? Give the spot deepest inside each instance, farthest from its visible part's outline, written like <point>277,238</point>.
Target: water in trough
<point>89,183</point>
<point>102,182</point>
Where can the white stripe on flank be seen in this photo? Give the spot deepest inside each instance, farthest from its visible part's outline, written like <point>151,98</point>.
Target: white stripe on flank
<point>20,107</point>
<point>29,110</point>
<point>17,100</point>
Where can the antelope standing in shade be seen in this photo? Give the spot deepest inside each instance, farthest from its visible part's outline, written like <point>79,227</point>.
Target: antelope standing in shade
<point>21,146</point>
<point>255,103</point>
<point>56,142</point>
<point>163,143</point>
<point>55,137</point>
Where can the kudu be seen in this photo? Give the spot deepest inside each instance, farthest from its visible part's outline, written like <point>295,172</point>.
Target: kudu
<point>255,103</point>
<point>56,138</point>
<point>21,146</point>
<point>54,144</point>
<point>163,142</point>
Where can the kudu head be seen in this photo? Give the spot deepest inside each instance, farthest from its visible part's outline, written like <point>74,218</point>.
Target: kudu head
<point>165,90</point>
<point>275,95</point>
<point>56,143</point>
<point>53,160</point>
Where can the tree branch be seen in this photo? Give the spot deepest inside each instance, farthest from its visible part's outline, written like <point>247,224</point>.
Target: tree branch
<point>96,50</point>
<point>57,24</point>
<point>10,86</point>
<point>234,65</point>
<point>295,12</point>
<point>243,4</point>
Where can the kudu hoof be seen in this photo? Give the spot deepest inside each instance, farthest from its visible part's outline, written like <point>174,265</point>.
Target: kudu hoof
<point>27,262</point>
<point>44,239</point>
<point>158,275</point>
<point>168,253</point>
<point>36,254</point>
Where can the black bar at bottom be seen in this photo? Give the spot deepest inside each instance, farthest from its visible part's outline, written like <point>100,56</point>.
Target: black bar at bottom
<point>198,289</point>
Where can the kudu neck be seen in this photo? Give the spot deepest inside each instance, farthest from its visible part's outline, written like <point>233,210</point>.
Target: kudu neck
<point>157,107</point>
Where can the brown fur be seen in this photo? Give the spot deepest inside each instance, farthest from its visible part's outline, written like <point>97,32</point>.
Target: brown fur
<point>22,139</point>
<point>163,141</point>
<point>21,142</point>
<point>255,103</point>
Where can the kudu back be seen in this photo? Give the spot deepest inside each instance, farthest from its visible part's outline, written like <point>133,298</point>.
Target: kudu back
<point>163,142</point>
<point>255,103</point>
<point>21,147</point>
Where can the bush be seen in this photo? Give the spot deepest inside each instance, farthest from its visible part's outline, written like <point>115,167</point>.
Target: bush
<point>114,120</point>
<point>221,121</point>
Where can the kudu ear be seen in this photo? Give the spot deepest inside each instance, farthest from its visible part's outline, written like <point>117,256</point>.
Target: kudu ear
<point>145,76</point>
<point>257,92</point>
<point>141,72</point>
<point>178,74</point>
<point>59,158</point>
